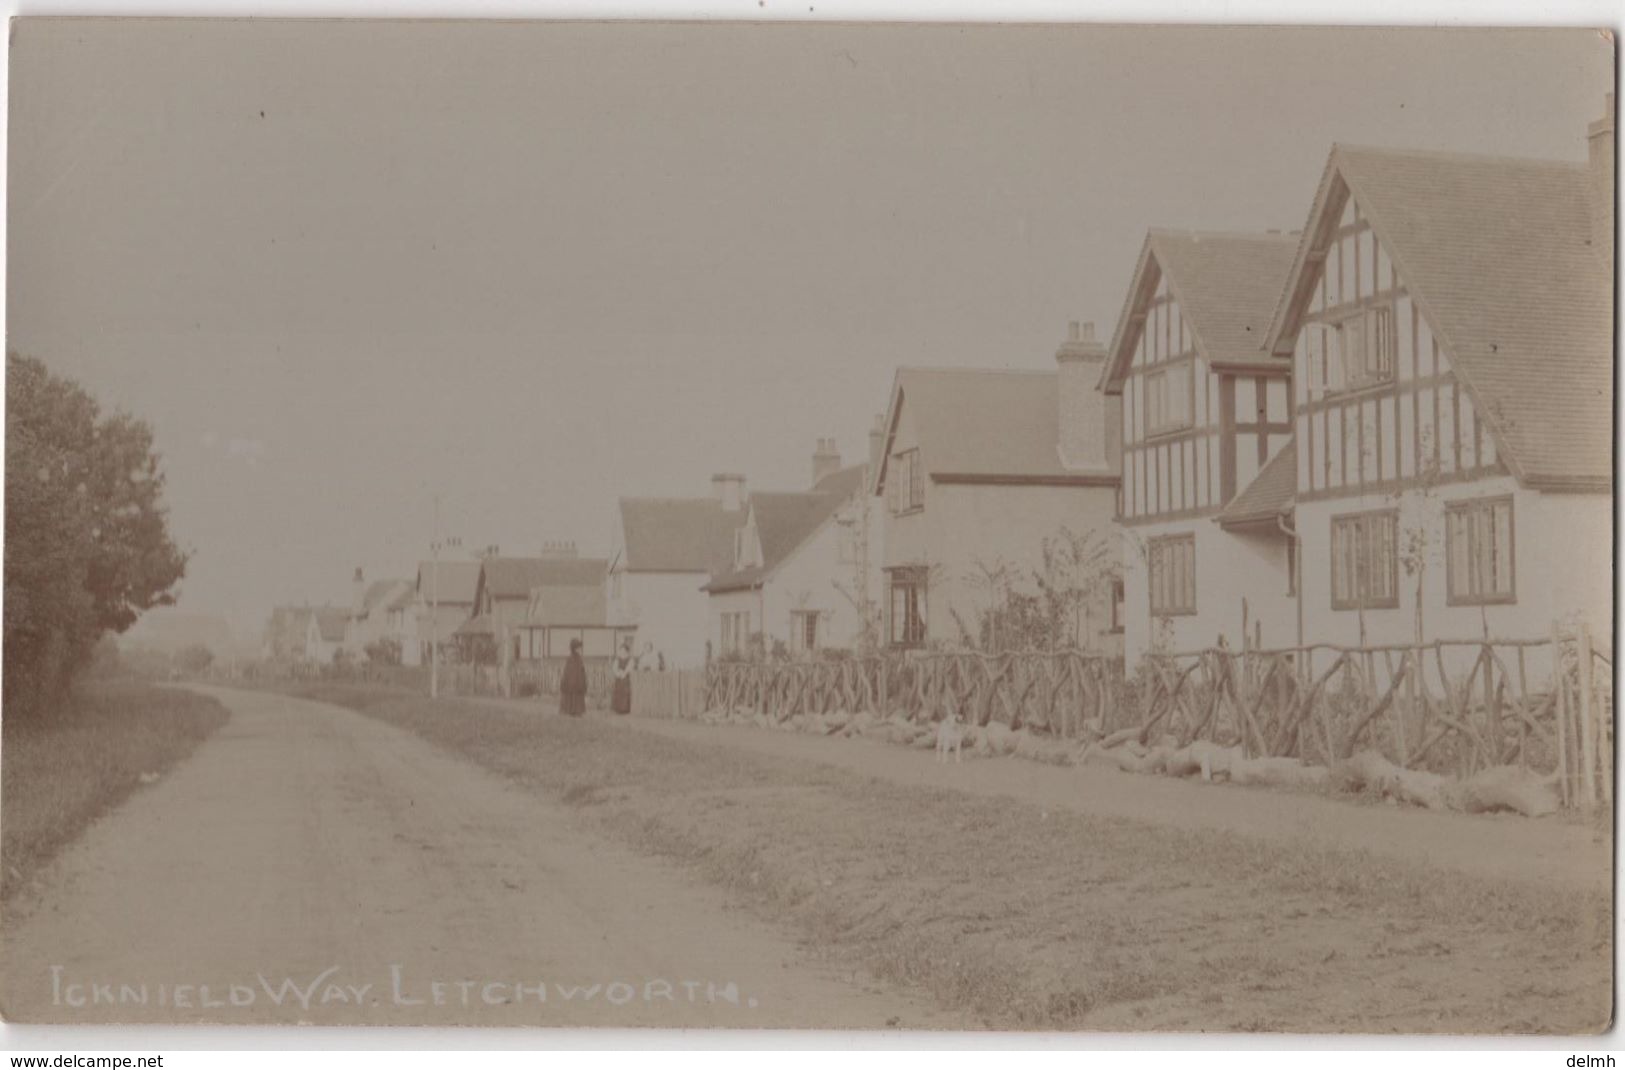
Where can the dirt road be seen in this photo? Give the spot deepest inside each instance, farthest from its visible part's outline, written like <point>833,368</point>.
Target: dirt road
<point>309,864</point>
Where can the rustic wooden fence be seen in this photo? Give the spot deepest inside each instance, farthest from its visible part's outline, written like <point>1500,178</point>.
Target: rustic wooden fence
<point>1056,692</point>
<point>1448,706</point>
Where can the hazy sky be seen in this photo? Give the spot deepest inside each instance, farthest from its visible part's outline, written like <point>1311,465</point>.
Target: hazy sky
<point>345,267</point>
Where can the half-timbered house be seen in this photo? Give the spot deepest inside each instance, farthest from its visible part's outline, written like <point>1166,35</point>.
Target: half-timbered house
<point>1206,412</point>
<point>1449,318</point>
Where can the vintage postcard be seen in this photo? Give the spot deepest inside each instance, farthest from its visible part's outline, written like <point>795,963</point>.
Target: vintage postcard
<point>1069,528</point>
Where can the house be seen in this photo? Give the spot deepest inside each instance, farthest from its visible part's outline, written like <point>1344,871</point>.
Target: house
<point>508,588</point>
<point>569,609</point>
<point>285,633</point>
<point>667,551</point>
<point>1206,415</point>
<point>979,470</point>
<point>443,600</point>
<point>325,630</point>
<point>380,611</point>
<point>1450,322</point>
<point>805,572</point>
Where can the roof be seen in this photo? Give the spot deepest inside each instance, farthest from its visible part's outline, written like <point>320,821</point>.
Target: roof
<point>1503,258</point>
<point>331,623</point>
<point>784,521</point>
<point>1227,286</point>
<point>678,534</point>
<point>385,594</point>
<point>517,577</point>
<point>582,606</point>
<point>977,425</point>
<point>455,581</point>
<point>1269,495</point>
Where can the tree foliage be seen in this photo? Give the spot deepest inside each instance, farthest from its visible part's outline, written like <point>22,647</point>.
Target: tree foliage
<point>87,540</point>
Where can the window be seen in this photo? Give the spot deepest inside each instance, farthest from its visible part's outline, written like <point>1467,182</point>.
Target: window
<point>907,617</point>
<point>803,630</point>
<point>1168,399</point>
<point>1117,605</point>
<point>1365,566</point>
<point>1478,552</point>
<point>1366,343</point>
<point>905,483</point>
<point>1173,575</point>
<point>735,632</point>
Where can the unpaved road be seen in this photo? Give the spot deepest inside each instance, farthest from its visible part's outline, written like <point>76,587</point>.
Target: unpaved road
<point>309,864</point>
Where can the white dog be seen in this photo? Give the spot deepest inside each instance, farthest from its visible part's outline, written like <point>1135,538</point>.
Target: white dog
<point>950,737</point>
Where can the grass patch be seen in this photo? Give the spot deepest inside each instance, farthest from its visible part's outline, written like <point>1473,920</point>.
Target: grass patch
<point>63,771</point>
<point>1027,919</point>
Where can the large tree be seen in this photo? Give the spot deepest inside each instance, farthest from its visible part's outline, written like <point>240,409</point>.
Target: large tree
<point>87,537</point>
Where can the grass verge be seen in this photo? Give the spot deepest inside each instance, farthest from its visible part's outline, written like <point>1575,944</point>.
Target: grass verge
<point>59,773</point>
<point>1027,919</point>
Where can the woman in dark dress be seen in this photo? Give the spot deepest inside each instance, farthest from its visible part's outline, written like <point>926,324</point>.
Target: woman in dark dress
<point>573,683</point>
<point>620,699</point>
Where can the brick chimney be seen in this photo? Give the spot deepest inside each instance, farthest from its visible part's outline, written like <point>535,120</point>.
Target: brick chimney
<point>877,443</point>
<point>565,548</point>
<point>826,460</point>
<point>1083,427</point>
<point>1600,139</point>
<point>729,488</point>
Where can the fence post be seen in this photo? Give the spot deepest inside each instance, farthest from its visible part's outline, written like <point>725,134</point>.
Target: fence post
<point>1588,725</point>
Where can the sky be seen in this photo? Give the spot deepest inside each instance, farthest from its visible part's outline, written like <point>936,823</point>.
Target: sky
<point>348,269</point>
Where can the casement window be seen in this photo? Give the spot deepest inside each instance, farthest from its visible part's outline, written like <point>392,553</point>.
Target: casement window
<point>803,630</point>
<point>1479,552</point>
<point>1172,569</point>
<point>735,632</point>
<point>906,616</point>
<point>1366,344</point>
<point>1365,560</point>
<point>1168,398</point>
<point>905,482</point>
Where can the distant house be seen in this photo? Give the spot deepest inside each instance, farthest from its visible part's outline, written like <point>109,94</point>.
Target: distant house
<point>286,633</point>
<point>444,600</point>
<point>382,610</point>
<point>804,564</point>
<point>508,588</point>
<point>325,630</point>
<point>668,550</point>
<point>1450,323</point>
<point>978,469</point>
<point>570,608</point>
<point>1206,416</point>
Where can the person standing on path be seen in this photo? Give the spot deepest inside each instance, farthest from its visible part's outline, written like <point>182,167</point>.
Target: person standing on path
<point>573,683</point>
<point>620,699</point>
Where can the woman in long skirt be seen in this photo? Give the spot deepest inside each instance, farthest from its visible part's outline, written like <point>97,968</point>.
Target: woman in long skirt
<point>573,683</point>
<point>620,699</point>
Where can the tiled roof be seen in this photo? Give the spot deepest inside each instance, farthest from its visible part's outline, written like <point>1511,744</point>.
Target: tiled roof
<point>331,623</point>
<point>979,424</point>
<point>1503,259</point>
<point>516,577</point>
<point>678,534</point>
<point>580,605</point>
<point>1270,494</point>
<point>385,594</point>
<point>786,520</point>
<point>1227,286</point>
<point>456,581</point>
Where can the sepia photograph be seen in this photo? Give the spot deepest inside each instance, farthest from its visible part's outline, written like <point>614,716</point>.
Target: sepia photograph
<point>910,528</point>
